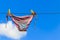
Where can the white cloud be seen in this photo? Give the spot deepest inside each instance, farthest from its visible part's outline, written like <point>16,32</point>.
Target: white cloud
<point>11,31</point>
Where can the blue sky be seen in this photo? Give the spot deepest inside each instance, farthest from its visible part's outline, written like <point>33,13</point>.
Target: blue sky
<point>48,17</point>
